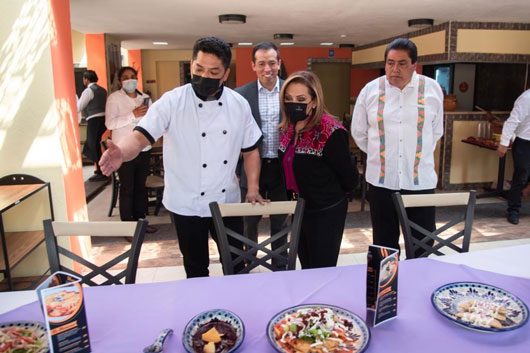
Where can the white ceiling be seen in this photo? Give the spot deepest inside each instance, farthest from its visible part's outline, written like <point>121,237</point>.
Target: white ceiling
<point>180,22</point>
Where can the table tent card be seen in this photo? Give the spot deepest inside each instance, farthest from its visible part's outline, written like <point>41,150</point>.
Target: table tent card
<point>61,298</point>
<point>381,284</point>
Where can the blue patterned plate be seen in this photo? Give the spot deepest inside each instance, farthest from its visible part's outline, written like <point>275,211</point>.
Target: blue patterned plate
<point>37,327</point>
<point>207,316</point>
<point>473,305</point>
<point>360,329</point>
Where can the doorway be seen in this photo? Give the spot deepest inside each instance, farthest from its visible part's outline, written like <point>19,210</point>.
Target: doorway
<point>334,74</point>
<point>167,77</point>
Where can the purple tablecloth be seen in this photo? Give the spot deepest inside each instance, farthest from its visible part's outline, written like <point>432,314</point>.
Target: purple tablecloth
<point>127,318</point>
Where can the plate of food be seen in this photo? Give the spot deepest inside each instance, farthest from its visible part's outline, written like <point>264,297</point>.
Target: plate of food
<point>480,307</point>
<point>214,331</point>
<point>23,337</point>
<point>318,328</point>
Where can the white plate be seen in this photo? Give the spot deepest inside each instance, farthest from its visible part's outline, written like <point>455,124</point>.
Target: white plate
<point>446,299</point>
<point>38,327</point>
<point>359,326</point>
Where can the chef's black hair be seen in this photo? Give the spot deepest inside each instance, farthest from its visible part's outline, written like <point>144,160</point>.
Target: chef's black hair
<point>216,46</point>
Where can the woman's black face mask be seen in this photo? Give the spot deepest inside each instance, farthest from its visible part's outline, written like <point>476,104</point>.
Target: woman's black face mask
<point>205,86</point>
<point>296,111</point>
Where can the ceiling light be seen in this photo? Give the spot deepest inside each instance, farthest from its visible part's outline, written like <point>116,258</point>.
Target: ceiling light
<point>421,22</point>
<point>160,43</point>
<point>283,36</point>
<point>244,43</point>
<point>287,43</point>
<point>326,43</point>
<point>346,45</point>
<point>343,36</point>
<point>232,19</point>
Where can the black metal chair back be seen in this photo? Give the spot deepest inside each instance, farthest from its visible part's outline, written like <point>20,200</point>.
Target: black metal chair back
<point>135,229</point>
<point>284,256</point>
<point>412,244</point>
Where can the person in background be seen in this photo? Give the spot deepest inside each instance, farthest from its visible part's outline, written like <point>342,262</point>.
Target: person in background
<point>315,155</point>
<point>518,125</point>
<point>263,95</point>
<point>125,108</point>
<point>397,121</point>
<point>205,126</point>
<point>92,105</point>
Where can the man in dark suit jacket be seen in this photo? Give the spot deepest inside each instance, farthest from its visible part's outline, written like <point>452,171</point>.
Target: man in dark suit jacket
<point>263,95</point>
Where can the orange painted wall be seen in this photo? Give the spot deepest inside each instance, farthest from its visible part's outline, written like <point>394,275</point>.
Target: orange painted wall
<point>65,101</point>
<point>96,59</point>
<point>294,59</point>
<point>360,77</point>
<point>135,61</point>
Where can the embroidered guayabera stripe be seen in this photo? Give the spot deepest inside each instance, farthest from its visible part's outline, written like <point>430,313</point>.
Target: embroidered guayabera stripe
<point>421,121</point>
<point>381,127</point>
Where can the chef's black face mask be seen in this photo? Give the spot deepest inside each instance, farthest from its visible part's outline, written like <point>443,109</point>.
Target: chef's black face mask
<point>205,86</point>
<point>296,111</point>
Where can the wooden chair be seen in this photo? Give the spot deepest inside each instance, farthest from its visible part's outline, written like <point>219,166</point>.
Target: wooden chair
<point>412,244</point>
<point>252,255</point>
<point>52,230</point>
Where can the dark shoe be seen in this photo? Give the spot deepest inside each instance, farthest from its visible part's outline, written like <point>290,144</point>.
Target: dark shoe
<point>98,177</point>
<point>513,217</point>
<point>150,229</point>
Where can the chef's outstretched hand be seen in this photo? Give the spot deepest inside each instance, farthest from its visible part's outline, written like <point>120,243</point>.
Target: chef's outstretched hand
<point>255,196</point>
<point>111,159</point>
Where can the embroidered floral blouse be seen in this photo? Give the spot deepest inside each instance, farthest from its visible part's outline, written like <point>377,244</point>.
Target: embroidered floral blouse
<point>322,165</point>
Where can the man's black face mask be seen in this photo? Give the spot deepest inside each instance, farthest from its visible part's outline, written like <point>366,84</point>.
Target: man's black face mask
<point>205,86</point>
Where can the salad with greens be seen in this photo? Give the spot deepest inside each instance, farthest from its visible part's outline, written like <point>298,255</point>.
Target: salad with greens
<point>315,330</point>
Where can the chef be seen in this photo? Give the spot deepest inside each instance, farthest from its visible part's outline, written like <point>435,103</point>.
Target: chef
<point>206,126</point>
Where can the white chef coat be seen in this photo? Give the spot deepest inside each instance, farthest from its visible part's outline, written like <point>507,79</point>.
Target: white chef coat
<point>518,123</point>
<point>401,136</point>
<point>119,116</point>
<point>202,144</point>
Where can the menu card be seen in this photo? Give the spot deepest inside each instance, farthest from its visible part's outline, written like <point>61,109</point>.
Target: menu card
<point>61,298</point>
<point>381,284</point>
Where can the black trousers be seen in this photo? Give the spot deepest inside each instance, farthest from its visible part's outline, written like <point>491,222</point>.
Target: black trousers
<point>521,173</point>
<point>272,187</point>
<point>95,129</point>
<point>321,235</point>
<point>192,234</point>
<point>133,193</point>
<point>385,221</point>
